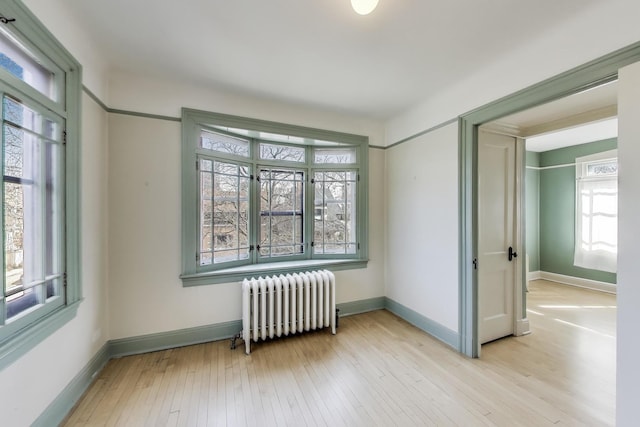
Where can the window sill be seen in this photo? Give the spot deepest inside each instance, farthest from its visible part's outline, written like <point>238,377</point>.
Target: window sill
<point>237,274</point>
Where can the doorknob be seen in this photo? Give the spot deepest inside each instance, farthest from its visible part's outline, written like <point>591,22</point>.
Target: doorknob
<point>512,254</point>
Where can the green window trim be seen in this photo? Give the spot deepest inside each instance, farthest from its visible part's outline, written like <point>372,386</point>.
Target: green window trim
<point>66,102</point>
<point>196,121</point>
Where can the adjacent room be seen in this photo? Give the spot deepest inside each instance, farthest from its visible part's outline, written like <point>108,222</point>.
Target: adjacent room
<point>302,213</point>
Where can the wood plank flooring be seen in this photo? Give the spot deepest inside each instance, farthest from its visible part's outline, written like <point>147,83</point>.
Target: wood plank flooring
<point>378,370</point>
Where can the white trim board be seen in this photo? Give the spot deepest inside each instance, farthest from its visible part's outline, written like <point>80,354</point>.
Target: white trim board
<point>534,275</point>
<point>595,285</point>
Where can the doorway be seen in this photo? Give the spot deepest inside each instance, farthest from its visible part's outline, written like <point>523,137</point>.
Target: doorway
<point>593,74</point>
<point>556,132</point>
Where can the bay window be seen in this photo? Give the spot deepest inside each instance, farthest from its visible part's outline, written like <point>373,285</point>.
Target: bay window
<point>268,198</point>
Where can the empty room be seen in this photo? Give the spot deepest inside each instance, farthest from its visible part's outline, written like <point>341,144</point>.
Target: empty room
<point>288,213</point>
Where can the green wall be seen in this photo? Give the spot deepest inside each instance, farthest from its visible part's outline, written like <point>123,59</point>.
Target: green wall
<point>557,194</point>
<point>532,212</point>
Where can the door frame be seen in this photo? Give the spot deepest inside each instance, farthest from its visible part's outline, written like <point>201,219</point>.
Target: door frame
<point>592,74</point>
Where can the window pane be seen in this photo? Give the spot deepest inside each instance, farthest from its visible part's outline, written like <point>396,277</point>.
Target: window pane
<point>603,168</point>
<point>334,212</point>
<point>22,116</point>
<point>17,61</point>
<point>334,155</point>
<point>22,301</point>
<point>53,210</point>
<point>282,152</point>
<point>22,209</point>
<point>224,144</point>
<point>14,236</point>
<point>281,212</point>
<point>224,224</point>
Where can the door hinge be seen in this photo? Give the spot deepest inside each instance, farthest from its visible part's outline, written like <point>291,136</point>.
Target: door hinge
<point>197,165</point>
<point>358,177</point>
<point>64,286</point>
<point>64,136</point>
<point>251,248</point>
<point>313,244</point>
<point>475,263</point>
<point>313,181</point>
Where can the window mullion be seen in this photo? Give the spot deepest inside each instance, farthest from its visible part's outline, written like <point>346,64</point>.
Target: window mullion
<point>345,183</point>
<point>254,208</point>
<point>270,213</point>
<point>307,217</point>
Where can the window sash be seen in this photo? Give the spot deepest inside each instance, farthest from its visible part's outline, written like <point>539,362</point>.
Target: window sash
<point>212,249</point>
<point>272,217</point>
<point>335,195</point>
<point>32,216</point>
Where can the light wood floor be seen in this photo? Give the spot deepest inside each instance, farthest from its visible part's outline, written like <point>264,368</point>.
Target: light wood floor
<point>378,370</point>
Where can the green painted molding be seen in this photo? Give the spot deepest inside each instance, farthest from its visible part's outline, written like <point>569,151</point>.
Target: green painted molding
<point>424,132</point>
<point>108,109</point>
<point>59,408</point>
<point>95,98</point>
<point>361,306</point>
<point>173,339</point>
<point>144,115</point>
<point>56,412</point>
<point>592,74</point>
<point>238,274</point>
<point>423,323</point>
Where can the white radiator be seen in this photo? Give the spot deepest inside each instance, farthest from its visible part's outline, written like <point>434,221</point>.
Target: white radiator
<point>277,306</point>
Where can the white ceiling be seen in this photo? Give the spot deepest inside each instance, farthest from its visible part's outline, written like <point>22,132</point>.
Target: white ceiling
<point>590,132</point>
<point>585,117</point>
<point>318,53</point>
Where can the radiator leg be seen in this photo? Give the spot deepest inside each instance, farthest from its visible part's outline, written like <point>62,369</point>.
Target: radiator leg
<point>233,340</point>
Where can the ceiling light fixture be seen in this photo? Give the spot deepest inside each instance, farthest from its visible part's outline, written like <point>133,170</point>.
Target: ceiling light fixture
<point>364,7</point>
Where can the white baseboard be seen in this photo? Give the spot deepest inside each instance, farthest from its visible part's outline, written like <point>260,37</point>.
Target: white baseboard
<point>534,275</point>
<point>577,281</point>
<point>522,327</point>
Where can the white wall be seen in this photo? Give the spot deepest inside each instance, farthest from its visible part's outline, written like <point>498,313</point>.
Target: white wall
<point>145,292</point>
<point>422,225</point>
<point>628,352</point>
<point>151,95</point>
<point>31,383</point>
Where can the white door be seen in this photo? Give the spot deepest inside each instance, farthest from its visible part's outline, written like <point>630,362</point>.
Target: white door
<point>496,232</point>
